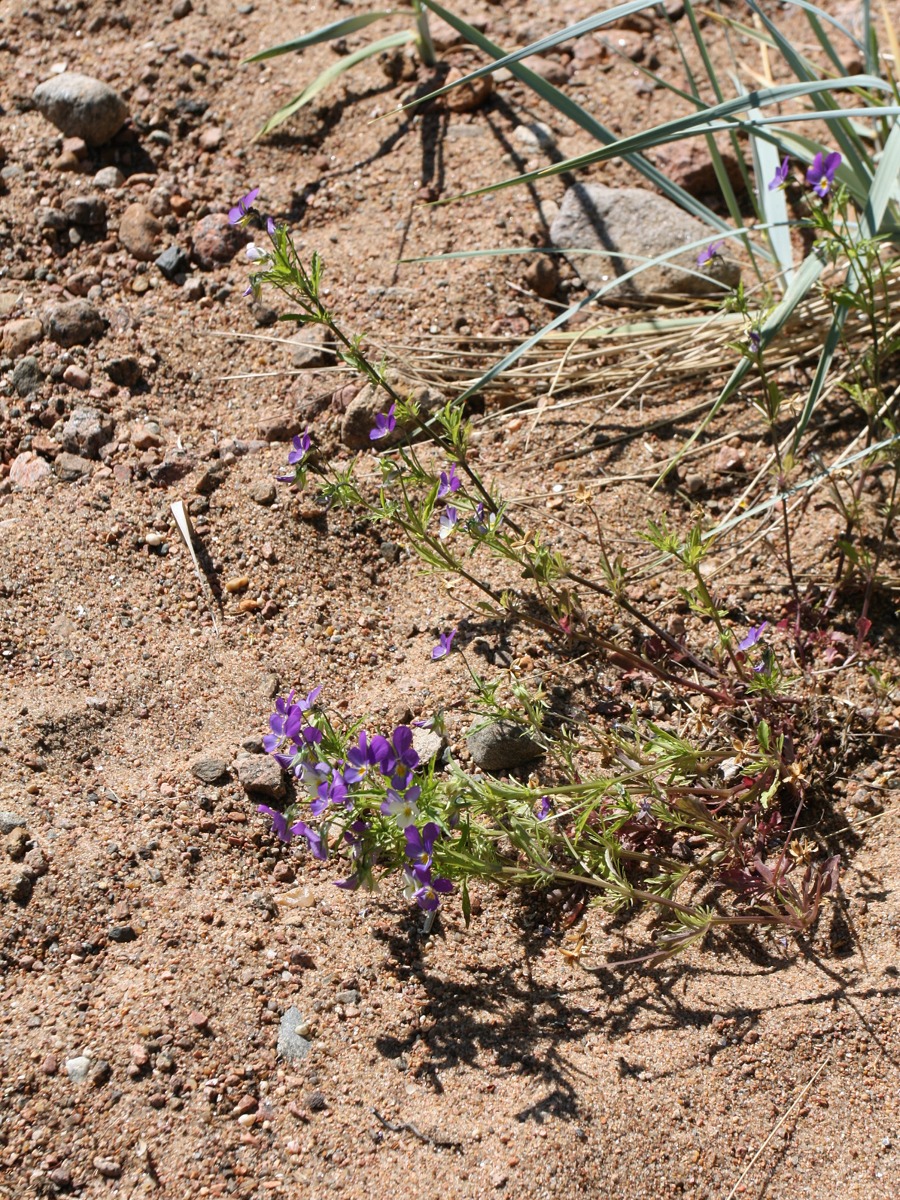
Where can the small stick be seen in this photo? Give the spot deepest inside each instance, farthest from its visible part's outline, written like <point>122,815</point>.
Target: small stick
<point>183,521</point>
<point>406,1126</point>
<point>746,1171</point>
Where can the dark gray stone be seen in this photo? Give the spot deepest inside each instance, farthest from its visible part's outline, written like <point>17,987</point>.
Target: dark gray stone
<point>27,376</point>
<point>210,770</point>
<point>122,933</point>
<point>74,323</point>
<point>10,821</point>
<point>291,1044</point>
<point>72,467</point>
<point>125,371</point>
<point>86,432</point>
<point>89,211</point>
<point>52,220</point>
<point>81,106</point>
<point>173,262</point>
<point>641,224</point>
<point>502,746</point>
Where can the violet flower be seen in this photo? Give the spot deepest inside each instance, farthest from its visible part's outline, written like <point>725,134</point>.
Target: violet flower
<point>396,757</point>
<point>329,791</point>
<point>443,647</point>
<point>448,522</point>
<point>243,206</point>
<point>385,423</point>
<point>313,839</point>
<point>271,227</point>
<point>544,808</point>
<point>755,340</point>
<point>426,892</point>
<point>420,843</point>
<point>820,175</point>
<point>753,636</point>
<point>279,822</point>
<point>402,807</point>
<point>450,482</point>
<point>708,253</point>
<point>360,759</point>
<point>301,445</point>
<point>780,178</point>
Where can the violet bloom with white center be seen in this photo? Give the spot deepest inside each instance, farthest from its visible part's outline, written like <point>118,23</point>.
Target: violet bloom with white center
<point>419,886</point>
<point>448,522</point>
<point>450,482</point>
<point>752,637</point>
<point>243,206</point>
<point>755,340</point>
<point>780,178</point>
<point>360,759</point>
<point>300,447</point>
<point>385,423</point>
<point>256,253</point>
<point>313,839</point>
<point>396,757</point>
<point>708,253</point>
<point>820,175</point>
<point>329,791</point>
<point>420,843</point>
<point>442,649</point>
<point>279,822</point>
<point>402,807</point>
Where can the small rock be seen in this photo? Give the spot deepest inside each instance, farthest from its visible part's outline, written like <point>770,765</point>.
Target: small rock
<point>278,427</point>
<point>694,484</point>
<point>72,467</point>
<point>359,418</point>
<point>36,861</point>
<point>108,178</point>
<point>311,349</point>
<point>100,1073</point>
<point>728,460</point>
<point>50,1065</point>
<point>210,770</point>
<point>427,744</point>
<point>246,1104</point>
<point>108,1168</point>
<point>139,231</point>
<point>15,843</point>
<point>89,211</point>
<point>535,136</point>
<point>261,775</point>
<point>28,471</point>
<point>10,821</point>
<point>61,1178</point>
<point>16,883</point>
<point>51,221</point>
<point>81,106</point>
<point>688,164</point>
<point>390,551</point>
<point>548,68</point>
<point>16,336</point>
<point>350,996</point>
<point>263,492</point>
<point>215,240</point>
<point>182,8</point>
<point>291,1042</point>
<point>239,584</point>
<point>468,96</point>
<point>122,933</point>
<point>76,377</point>
<point>262,314</point>
<point>86,432</point>
<point>500,746</point>
<point>124,372</point>
<point>194,288</point>
<point>78,1069</point>
<point>211,139</point>
<point>542,276</point>
<point>74,323</point>
<point>27,376</point>
<point>173,262</point>
<point>316,1102</point>
<point>198,1019</point>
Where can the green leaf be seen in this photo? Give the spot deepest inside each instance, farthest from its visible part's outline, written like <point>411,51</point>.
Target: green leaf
<point>331,74</point>
<point>328,33</point>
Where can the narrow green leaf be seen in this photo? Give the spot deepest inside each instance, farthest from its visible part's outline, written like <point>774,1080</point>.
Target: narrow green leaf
<point>884,187</point>
<point>773,204</point>
<point>331,74</point>
<point>823,366</point>
<point>328,33</point>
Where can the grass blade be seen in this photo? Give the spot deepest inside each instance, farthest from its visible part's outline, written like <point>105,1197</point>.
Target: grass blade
<point>328,33</point>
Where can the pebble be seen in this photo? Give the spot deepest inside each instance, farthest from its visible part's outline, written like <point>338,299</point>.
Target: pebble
<point>139,231</point>
<point>125,371</point>
<point>100,1073</point>
<point>89,211</point>
<point>78,1069</point>
<point>239,584</point>
<point>72,467</point>
<point>145,438</point>
<point>81,106</point>
<point>27,376</point>
<point>194,288</point>
<point>198,1019</point>
<point>74,322</point>
<point>261,775</point>
<point>76,377</point>
<point>215,240</point>
<point>263,492</point>
<point>469,95</point>
<point>427,744</point>
<point>292,1044</point>
<point>108,178</point>
<point>108,1168</point>
<point>542,276</point>
<point>16,336</point>
<point>182,8</point>
<point>86,431</point>
<point>210,770</point>
<point>311,348</point>
<point>211,138</point>
<point>10,821</point>
<point>500,746</point>
<point>27,470</point>
<point>122,933</point>
<point>173,262</point>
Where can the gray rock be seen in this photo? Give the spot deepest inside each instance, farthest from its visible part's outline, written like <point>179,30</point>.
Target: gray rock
<point>124,372</point>
<point>78,1068</point>
<point>122,933</point>
<point>89,211</point>
<point>261,775</point>
<point>82,107</point>
<point>10,821</point>
<point>310,348</point>
<point>350,996</point>
<point>390,551</point>
<point>72,467</point>
<point>210,770</point>
<point>263,492</point>
<point>16,882</point>
<point>51,221</point>
<point>74,323</point>
<point>27,376</point>
<point>427,744</point>
<point>359,419</point>
<point>173,262</point>
<point>139,231</point>
<point>501,746</point>
<point>28,470</point>
<point>291,1043</point>
<point>639,223</point>
<point>108,178</point>
<point>86,431</point>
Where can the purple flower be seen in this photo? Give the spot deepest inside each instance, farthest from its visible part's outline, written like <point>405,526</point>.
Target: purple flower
<point>820,175</point>
<point>420,843</point>
<point>279,821</point>
<point>396,757</point>
<point>271,227</point>
<point>755,340</point>
<point>448,522</point>
<point>426,892</point>
<point>300,448</point>
<point>329,791</point>
<point>402,807</point>
<point>313,839</point>
<point>544,808</point>
<point>350,884</point>
<point>256,253</point>
<point>753,636</point>
<point>385,423</point>
<point>450,482</point>
<point>243,206</point>
<point>286,720</point>
<point>481,522</point>
<point>443,646</point>
<point>780,178</point>
<point>708,253</point>
<point>360,758</point>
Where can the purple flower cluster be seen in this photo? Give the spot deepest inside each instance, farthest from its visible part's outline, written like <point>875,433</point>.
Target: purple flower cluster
<point>819,175</point>
<point>419,882</point>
